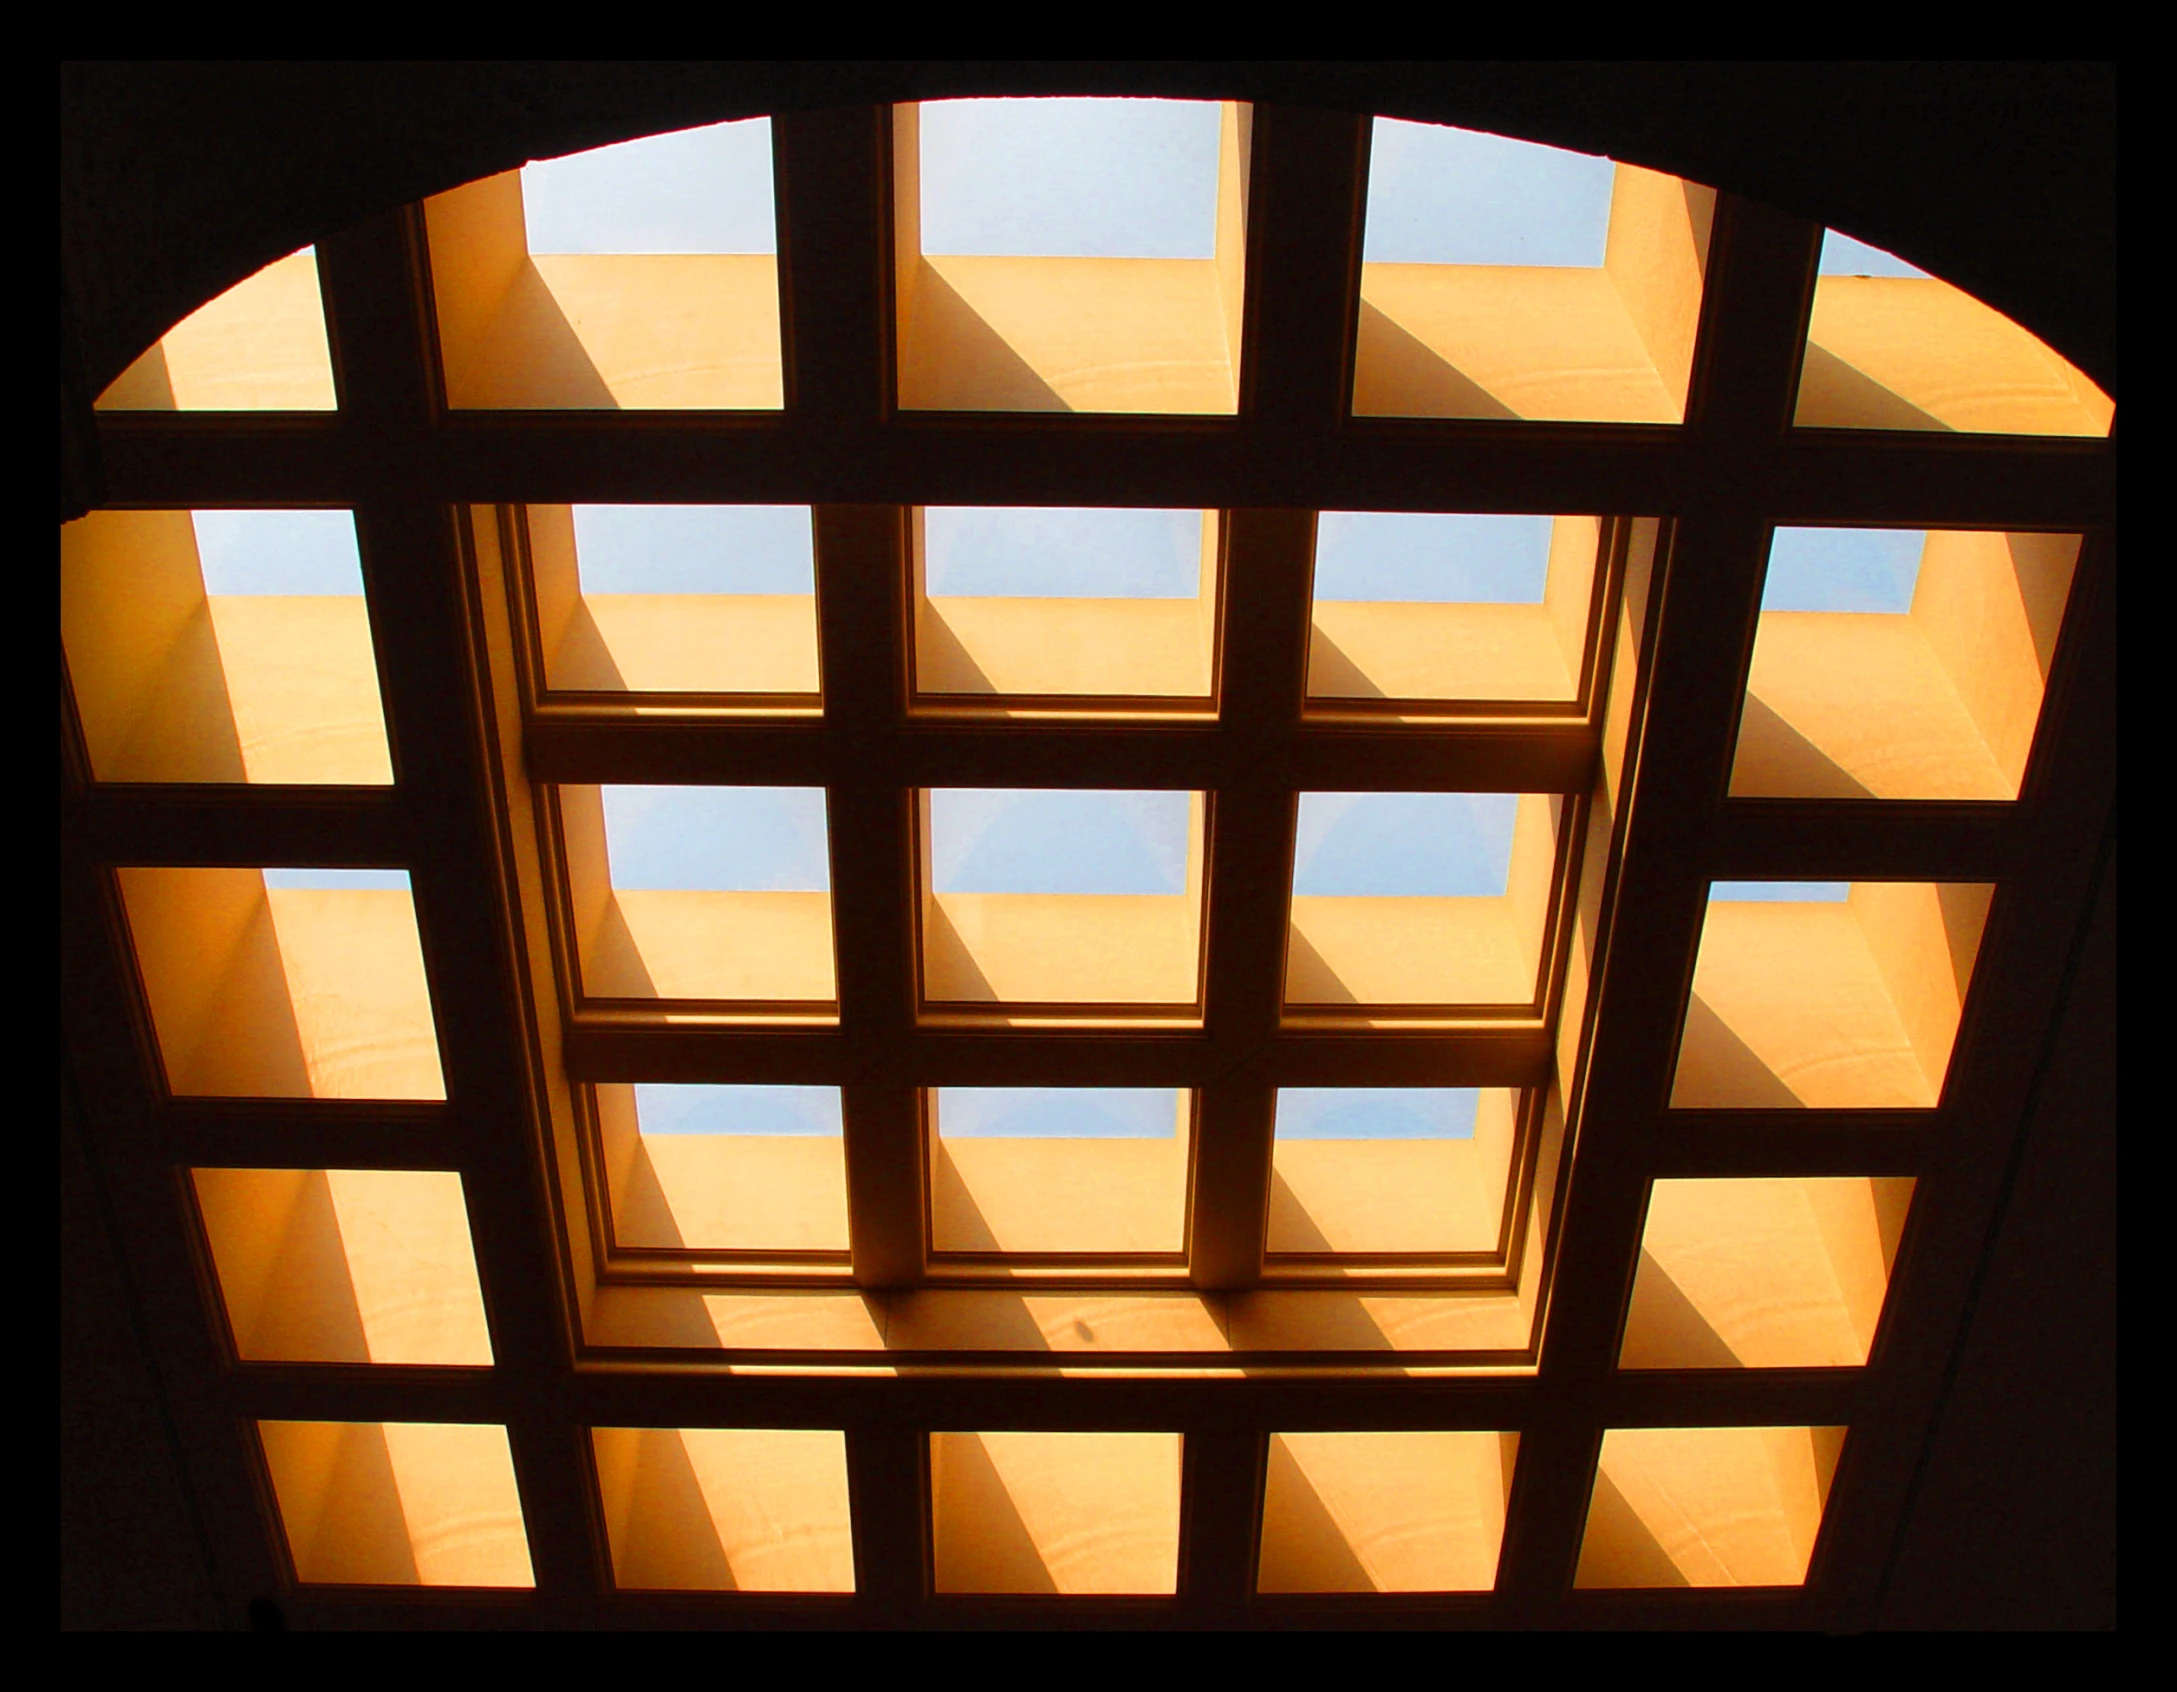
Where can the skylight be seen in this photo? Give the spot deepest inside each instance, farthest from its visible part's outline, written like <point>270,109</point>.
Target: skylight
<point>1070,178</point>
<point>1058,1113</point>
<point>1843,256</point>
<point>1377,1113</point>
<point>702,190</point>
<point>278,552</point>
<point>1780,892</point>
<point>1430,557</point>
<point>676,1108</point>
<point>1044,840</point>
<point>1062,553</point>
<point>1455,845</point>
<point>686,549</point>
<point>1438,195</point>
<point>328,879</point>
<point>1843,570</point>
<point>717,839</point>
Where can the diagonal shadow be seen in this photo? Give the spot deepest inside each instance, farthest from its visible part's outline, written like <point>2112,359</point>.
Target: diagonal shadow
<point>1774,760</point>
<point>310,1314</point>
<point>1303,1547</point>
<point>1664,1329</point>
<point>252,1045</point>
<point>1718,1070</point>
<point>584,662</point>
<point>146,385</point>
<point>956,1220</point>
<point>949,969</point>
<point>614,967</point>
<point>642,1211</point>
<point>533,355</point>
<point>942,664</point>
<point>188,707</point>
<point>983,1545</point>
<point>361,1535</point>
<point>958,362</point>
<point>1617,1549</point>
<point>1837,395</point>
<point>1397,374</point>
<point>672,1538</point>
<point>1332,674</point>
<point>1291,1227</point>
<point>1309,979</point>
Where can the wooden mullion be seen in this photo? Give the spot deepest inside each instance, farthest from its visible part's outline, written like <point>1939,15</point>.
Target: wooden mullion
<point>1373,464</point>
<point>861,574</point>
<point>433,705</point>
<point>1303,272</point>
<point>1267,561</point>
<point>1761,267</point>
<point>835,252</point>
<point>183,826</point>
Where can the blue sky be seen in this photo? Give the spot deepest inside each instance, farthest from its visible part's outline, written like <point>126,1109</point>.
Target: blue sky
<point>695,191</point>
<point>1779,892</point>
<point>1377,1113</point>
<point>721,839</point>
<point>1057,1113</point>
<point>1842,570</point>
<point>1843,256</point>
<point>1438,195</point>
<point>329,878</point>
<point>1020,552</point>
<point>695,548</point>
<point>1051,840</point>
<point>1422,556</point>
<point>1070,178</point>
<point>1443,844</point>
<point>278,552</point>
<point>681,1109</point>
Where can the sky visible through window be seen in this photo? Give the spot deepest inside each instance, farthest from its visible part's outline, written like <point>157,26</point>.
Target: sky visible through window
<point>1424,557</point>
<point>717,839</point>
<point>1444,845</point>
<point>1377,1113</point>
<point>695,548</point>
<point>677,1108</point>
<point>1070,178</point>
<point>1843,256</point>
<point>1843,570</point>
<point>1779,892</point>
<point>1015,552</point>
<point>329,879</point>
<point>1438,195</point>
<point>278,552</point>
<point>1051,840</point>
<point>1058,1113</point>
<point>695,191</point>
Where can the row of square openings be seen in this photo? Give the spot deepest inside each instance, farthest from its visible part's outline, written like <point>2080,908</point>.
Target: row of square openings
<point>310,983</point>
<point>1090,256</point>
<point>376,1266</point>
<point>234,646</point>
<point>1045,1513</point>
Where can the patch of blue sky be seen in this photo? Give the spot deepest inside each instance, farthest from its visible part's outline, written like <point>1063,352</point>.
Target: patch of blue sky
<point>1029,552</point>
<point>1438,195</point>
<point>1843,570</point>
<point>329,879</point>
<point>1779,892</point>
<point>1070,178</point>
<point>1455,845</point>
<point>717,839</point>
<point>702,190</point>
<point>1424,557</point>
<point>1049,840</point>
<point>1377,1113</point>
<point>1843,256</point>
<point>1057,1113</point>
<point>681,1109</point>
<point>695,548</point>
<point>278,552</point>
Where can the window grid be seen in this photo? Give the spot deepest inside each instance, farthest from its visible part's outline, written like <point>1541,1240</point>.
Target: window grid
<point>454,816</point>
